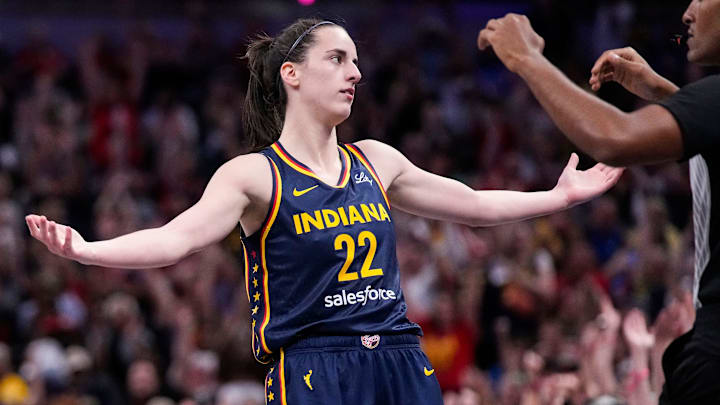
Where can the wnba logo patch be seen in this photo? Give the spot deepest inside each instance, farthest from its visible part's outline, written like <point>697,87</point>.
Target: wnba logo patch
<point>362,178</point>
<point>370,342</point>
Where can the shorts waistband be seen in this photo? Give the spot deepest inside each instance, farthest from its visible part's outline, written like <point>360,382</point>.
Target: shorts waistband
<point>345,343</point>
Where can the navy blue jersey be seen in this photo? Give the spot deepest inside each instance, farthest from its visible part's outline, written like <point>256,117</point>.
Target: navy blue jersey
<point>323,261</point>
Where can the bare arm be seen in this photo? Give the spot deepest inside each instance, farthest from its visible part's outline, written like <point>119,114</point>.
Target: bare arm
<point>422,193</point>
<point>649,135</point>
<point>208,221</point>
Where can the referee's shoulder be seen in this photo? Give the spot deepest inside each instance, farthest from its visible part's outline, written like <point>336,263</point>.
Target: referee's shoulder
<point>707,83</point>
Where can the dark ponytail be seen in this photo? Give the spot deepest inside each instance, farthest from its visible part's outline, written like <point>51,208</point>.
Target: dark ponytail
<point>265,101</point>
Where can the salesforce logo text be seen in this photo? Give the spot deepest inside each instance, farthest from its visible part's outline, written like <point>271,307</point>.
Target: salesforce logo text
<point>360,297</point>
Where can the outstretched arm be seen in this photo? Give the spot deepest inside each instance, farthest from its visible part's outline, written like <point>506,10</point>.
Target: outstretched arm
<point>422,193</point>
<point>208,221</point>
<point>648,135</point>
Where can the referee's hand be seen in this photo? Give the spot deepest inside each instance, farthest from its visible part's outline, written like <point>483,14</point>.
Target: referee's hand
<point>626,67</point>
<point>513,40</point>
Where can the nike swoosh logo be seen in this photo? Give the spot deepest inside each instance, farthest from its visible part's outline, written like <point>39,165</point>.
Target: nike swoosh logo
<point>428,372</point>
<point>298,193</point>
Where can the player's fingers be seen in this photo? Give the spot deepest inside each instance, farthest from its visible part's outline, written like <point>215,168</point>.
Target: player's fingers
<point>43,229</point>
<point>573,162</point>
<point>67,246</point>
<point>601,169</point>
<point>614,175</point>
<point>492,24</point>
<point>32,225</point>
<point>52,233</point>
<point>606,168</point>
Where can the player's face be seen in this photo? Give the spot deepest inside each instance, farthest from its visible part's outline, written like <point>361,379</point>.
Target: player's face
<point>703,20</point>
<point>329,74</point>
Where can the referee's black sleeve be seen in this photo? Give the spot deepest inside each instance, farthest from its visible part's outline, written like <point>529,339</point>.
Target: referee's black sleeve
<point>696,108</point>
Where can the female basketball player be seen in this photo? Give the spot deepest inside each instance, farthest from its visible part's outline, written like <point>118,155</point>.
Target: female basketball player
<point>320,264</point>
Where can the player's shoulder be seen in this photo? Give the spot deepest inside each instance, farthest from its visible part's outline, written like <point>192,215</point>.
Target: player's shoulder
<point>247,170</point>
<point>376,150</point>
<point>244,163</point>
<point>388,161</point>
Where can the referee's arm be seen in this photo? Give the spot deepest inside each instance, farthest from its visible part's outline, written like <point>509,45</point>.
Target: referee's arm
<point>648,135</point>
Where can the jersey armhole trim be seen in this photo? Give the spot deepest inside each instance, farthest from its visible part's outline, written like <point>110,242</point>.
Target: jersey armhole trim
<point>272,213</point>
<point>364,160</point>
<point>246,270</point>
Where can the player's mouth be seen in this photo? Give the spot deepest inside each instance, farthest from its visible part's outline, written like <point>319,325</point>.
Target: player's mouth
<point>350,92</point>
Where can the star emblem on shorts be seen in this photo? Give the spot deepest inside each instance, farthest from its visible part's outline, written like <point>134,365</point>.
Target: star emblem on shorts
<point>270,382</point>
<point>255,268</point>
<point>271,396</point>
<point>255,282</point>
<point>256,296</point>
<point>255,309</point>
<point>253,324</point>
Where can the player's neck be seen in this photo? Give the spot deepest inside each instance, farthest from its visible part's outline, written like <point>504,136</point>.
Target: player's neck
<point>312,142</point>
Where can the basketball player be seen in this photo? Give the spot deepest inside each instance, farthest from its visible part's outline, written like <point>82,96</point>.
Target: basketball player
<point>320,264</point>
<point>683,124</point>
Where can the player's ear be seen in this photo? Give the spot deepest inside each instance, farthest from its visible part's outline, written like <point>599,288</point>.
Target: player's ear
<point>290,74</point>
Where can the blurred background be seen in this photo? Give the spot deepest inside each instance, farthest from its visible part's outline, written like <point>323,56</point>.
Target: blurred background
<point>114,115</point>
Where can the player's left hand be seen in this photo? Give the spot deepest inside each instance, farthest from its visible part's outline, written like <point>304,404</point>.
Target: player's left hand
<point>513,40</point>
<point>579,186</point>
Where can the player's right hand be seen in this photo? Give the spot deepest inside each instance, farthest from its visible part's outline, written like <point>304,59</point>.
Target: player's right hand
<point>60,239</point>
<point>626,67</point>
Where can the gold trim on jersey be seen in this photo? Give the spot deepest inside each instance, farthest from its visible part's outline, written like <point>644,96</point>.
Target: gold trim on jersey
<point>263,254</point>
<point>247,270</point>
<point>356,151</point>
<point>306,171</point>
<point>283,394</point>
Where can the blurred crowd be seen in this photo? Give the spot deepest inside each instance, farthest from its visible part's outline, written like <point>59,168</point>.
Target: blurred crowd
<point>574,308</point>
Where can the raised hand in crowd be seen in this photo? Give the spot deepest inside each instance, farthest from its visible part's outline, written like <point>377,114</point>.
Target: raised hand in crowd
<point>639,340</point>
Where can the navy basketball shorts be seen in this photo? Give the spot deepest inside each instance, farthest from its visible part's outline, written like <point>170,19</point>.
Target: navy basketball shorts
<point>353,370</point>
